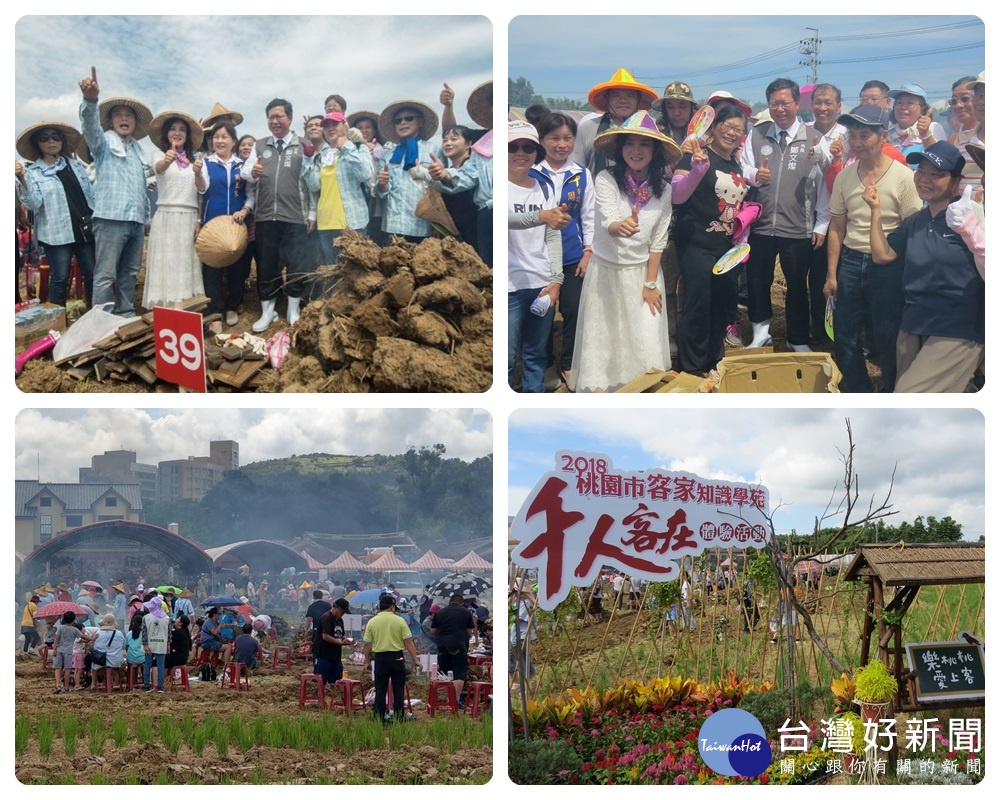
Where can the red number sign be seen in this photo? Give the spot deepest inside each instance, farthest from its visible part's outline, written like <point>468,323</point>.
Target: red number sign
<point>180,348</point>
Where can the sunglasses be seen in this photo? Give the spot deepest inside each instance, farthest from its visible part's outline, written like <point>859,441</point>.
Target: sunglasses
<point>522,148</point>
<point>405,118</point>
<point>50,137</point>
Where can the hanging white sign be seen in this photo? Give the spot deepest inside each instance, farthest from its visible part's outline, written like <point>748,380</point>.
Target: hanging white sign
<point>584,514</point>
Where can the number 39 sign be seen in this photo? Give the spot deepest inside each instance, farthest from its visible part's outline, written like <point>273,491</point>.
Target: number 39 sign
<point>180,348</point>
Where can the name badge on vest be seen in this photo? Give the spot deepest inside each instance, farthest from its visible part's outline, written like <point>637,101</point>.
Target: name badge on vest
<point>766,150</point>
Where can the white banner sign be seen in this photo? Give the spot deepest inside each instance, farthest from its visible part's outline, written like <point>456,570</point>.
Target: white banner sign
<point>584,514</point>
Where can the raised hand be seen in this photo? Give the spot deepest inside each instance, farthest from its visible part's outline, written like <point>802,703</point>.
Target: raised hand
<point>198,165</point>
<point>871,197</point>
<point>556,218</point>
<point>383,178</point>
<point>258,170</point>
<point>170,155</point>
<point>837,149</point>
<point>447,96</point>
<point>763,174</point>
<point>957,212</point>
<point>697,154</point>
<point>924,123</point>
<point>629,226</point>
<point>437,170</point>
<point>89,87</point>
<point>18,170</point>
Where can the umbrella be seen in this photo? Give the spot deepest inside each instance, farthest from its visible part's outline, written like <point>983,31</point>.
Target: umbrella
<point>365,597</point>
<point>466,584</point>
<point>175,589</point>
<point>93,584</point>
<point>222,601</point>
<point>57,609</point>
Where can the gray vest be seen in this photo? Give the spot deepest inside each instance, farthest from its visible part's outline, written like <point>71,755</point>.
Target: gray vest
<point>789,198</point>
<point>280,195</point>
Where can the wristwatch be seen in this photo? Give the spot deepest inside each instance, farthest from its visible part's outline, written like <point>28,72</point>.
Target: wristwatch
<point>649,285</point>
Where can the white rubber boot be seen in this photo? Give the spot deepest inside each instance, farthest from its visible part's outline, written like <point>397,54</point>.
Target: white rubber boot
<point>267,316</point>
<point>293,310</point>
<point>801,348</point>
<point>761,334</point>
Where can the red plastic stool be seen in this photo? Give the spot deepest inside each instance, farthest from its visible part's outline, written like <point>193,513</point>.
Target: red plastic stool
<point>282,657</point>
<point>44,653</point>
<point>348,704</point>
<point>480,661</point>
<point>135,679</point>
<point>407,704</point>
<point>319,698</point>
<point>231,675</point>
<point>433,698</point>
<point>478,697</point>
<point>208,657</point>
<point>181,674</point>
<point>102,681</point>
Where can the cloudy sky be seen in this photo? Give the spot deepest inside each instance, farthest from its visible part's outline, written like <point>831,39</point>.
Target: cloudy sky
<point>187,63</point>
<point>743,54</point>
<point>54,444</point>
<point>939,455</point>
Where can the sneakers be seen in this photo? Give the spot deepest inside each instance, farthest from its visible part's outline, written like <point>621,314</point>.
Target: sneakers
<point>148,690</point>
<point>232,318</point>
<point>57,690</point>
<point>733,336</point>
<point>160,691</point>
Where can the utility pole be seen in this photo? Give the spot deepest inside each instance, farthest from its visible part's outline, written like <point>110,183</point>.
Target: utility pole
<point>810,48</point>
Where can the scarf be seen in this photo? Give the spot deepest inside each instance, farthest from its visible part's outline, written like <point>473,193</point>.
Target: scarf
<point>181,159</point>
<point>638,191</point>
<point>407,152</point>
<point>484,145</point>
<point>48,170</point>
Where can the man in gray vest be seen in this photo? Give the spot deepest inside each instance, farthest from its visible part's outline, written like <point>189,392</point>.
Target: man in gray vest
<point>284,215</point>
<point>794,218</point>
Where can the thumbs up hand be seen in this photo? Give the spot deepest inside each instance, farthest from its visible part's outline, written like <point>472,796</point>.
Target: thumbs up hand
<point>815,153</point>
<point>958,212</point>
<point>924,124</point>
<point>447,96</point>
<point>437,170</point>
<point>556,218</point>
<point>383,178</point>
<point>763,174</point>
<point>629,226</point>
<point>837,149</point>
<point>199,164</point>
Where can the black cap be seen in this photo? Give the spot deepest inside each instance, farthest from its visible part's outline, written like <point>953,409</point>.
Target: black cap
<point>386,601</point>
<point>342,604</point>
<point>868,115</point>
<point>942,155</point>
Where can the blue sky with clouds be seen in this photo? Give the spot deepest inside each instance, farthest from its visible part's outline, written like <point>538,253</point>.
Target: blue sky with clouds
<point>187,63</point>
<point>938,454</point>
<point>565,56</point>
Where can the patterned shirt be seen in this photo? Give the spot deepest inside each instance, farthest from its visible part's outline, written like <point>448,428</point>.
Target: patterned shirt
<point>477,173</point>
<point>403,195</point>
<point>353,164</point>
<point>122,169</point>
<point>46,196</point>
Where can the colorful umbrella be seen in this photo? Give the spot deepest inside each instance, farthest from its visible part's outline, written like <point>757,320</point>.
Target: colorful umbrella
<point>57,609</point>
<point>222,601</point>
<point>466,584</point>
<point>366,597</point>
<point>175,589</point>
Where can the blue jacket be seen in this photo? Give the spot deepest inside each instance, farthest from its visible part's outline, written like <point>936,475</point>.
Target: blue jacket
<point>46,196</point>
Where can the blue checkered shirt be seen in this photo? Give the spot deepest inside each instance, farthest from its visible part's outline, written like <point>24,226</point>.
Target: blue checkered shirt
<point>404,194</point>
<point>120,188</point>
<point>354,173</point>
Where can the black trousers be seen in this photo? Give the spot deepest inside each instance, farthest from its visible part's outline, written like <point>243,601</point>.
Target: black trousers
<point>224,285</point>
<point>796,257</point>
<point>390,666</point>
<point>709,301</point>
<point>273,238</point>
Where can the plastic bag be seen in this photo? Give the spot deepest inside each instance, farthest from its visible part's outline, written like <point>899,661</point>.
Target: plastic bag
<point>93,326</point>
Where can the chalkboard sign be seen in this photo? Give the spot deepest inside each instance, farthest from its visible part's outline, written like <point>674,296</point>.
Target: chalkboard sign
<point>948,670</point>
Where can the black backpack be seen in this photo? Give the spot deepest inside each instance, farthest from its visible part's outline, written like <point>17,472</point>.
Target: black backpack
<point>208,673</point>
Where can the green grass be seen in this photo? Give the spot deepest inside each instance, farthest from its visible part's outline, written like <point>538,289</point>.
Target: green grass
<point>143,729</point>
<point>131,778</point>
<point>96,778</point>
<point>97,735</point>
<point>70,731</point>
<point>170,735</point>
<point>45,734</point>
<point>119,730</point>
<point>22,732</point>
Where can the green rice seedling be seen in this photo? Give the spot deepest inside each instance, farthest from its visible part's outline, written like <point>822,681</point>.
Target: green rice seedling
<point>70,731</point>
<point>325,732</point>
<point>293,733</point>
<point>239,733</point>
<point>226,780</point>
<point>170,735</point>
<point>22,730</point>
<point>97,735</point>
<point>131,778</point>
<point>119,730</point>
<point>258,776</point>
<point>143,729</point>
<point>221,739</point>
<point>323,780</point>
<point>259,729</point>
<point>44,732</point>
<point>99,778</point>
<point>163,777</point>
<point>198,739</point>
<point>187,726</point>
<point>65,778</point>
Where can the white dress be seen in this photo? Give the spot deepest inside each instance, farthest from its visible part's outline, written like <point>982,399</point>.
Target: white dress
<point>173,269</point>
<point>617,336</point>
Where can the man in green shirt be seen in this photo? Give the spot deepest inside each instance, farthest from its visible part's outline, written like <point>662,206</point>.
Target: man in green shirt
<point>385,637</point>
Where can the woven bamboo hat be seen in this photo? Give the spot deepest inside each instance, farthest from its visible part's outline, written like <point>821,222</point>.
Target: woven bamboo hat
<point>219,110</point>
<point>622,79</point>
<point>639,124</point>
<point>142,114</point>
<point>221,241</point>
<point>195,132</point>
<point>480,105</point>
<point>26,148</point>
<point>428,125</point>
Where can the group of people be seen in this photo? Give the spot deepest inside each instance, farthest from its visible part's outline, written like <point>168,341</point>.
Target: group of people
<point>631,225</point>
<point>367,171</point>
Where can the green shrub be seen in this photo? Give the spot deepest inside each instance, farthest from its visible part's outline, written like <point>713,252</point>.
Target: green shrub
<point>537,762</point>
<point>774,707</point>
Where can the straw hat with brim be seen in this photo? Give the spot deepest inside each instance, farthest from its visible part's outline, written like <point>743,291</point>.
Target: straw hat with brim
<point>143,115</point>
<point>27,149</point>
<point>118,587</point>
<point>108,621</point>
<point>49,588</point>
<point>639,124</point>
<point>480,105</point>
<point>428,125</point>
<point>219,110</point>
<point>186,593</point>
<point>221,241</point>
<point>195,133</point>
<point>622,79</point>
<point>978,153</point>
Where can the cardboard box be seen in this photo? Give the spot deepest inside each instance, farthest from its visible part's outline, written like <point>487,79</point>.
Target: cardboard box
<point>33,323</point>
<point>658,381</point>
<point>761,373</point>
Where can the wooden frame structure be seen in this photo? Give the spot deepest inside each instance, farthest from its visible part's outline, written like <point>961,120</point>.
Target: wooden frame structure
<point>905,568</point>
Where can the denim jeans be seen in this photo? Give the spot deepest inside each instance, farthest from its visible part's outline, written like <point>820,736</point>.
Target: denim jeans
<point>527,335</point>
<point>147,672</point>
<point>866,292</point>
<point>119,256</point>
<point>60,256</point>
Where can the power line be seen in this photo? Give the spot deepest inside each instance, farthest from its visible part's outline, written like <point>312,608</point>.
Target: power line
<point>954,49</point>
<point>932,29</point>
